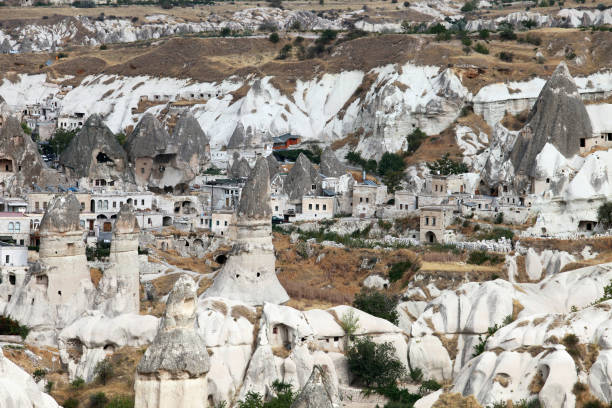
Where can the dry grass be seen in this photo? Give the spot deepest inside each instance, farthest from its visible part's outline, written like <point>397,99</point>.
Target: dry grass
<point>164,284</point>
<point>281,351</point>
<point>124,362</point>
<point>536,384</point>
<point>515,122</point>
<point>456,401</point>
<point>336,278</point>
<point>517,307</point>
<point>435,147</point>
<point>96,275</point>
<point>243,311</point>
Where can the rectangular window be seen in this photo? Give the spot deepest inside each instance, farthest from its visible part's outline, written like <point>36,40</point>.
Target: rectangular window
<point>225,223</point>
<point>276,208</point>
<point>142,170</point>
<point>142,202</point>
<point>37,205</point>
<point>217,222</point>
<point>317,207</point>
<point>367,199</point>
<point>426,220</point>
<point>361,199</point>
<point>310,206</point>
<point>433,220</point>
<point>114,204</point>
<point>324,207</point>
<point>8,258</point>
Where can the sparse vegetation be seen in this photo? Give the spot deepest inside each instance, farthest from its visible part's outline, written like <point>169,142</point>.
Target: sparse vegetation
<point>274,38</point>
<point>446,166</point>
<point>284,397</point>
<point>397,270</point>
<point>104,371</point>
<point>415,139</point>
<point>12,327</point>
<point>375,365</point>
<point>481,257</point>
<point>377,304</point>
<point>98,400</point>
<point>604,214</point>
<point>481,48</point>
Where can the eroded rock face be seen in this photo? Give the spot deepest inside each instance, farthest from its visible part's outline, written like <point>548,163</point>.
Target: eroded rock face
<point>20,161</point>
<point>18,389</point>
<point>164,161</point>
<point>273,166</point>
<point>301,178</point>
<point>148,139</point>
<point>172,372</point>
<point>192,144</point>
<point>95,153</point>
<point>119,288</point>
<point>57,289</point>
<point>330,165</point>
<point>249,274</point>
<point>319,391</point>
<point>558,117</point>
<point>240,168</point>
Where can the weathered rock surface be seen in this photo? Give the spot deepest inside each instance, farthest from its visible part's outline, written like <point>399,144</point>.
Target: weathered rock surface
<point>240,168</point>
<point>148,139</point>
<point>273,166</point>
<point>18,389</point>
<point>301,178</point>
<point>172,372</point>
<point>191,142</point>
<point>330,165</point>
<point>91,338</point>
<point>95,153</point>
<point>558,117</point>
<point>249,274</point>
<point>57,289</point>
<point>119,288</point>
<point>23,166</point>
<point>319,391</point>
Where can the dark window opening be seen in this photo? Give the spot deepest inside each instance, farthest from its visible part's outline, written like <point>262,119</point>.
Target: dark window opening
<point>103,158</point>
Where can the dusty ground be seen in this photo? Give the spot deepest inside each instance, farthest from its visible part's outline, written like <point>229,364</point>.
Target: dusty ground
<point>214,59</point>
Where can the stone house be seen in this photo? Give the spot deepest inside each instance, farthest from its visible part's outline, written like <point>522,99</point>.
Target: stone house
<point>367,197</point>
<point>316,208</point>
<point>433,223</point>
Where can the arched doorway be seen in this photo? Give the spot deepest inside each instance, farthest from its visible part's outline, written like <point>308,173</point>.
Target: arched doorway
<point>430,237</point>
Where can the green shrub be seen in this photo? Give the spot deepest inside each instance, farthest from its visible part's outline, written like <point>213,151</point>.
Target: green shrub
<point>484,34</point>
<point>104,371</point>
<point>446,166</point>
<point>496,234</point>
<point>443,36</point>
<point>284,52</point>
<point>77,383</point>
<point>103,47</point>
<point>481,49</point>
<point>377,304</point>
<point>274,38</point>
<point>499,218</point>
<point>49,387</point>
<point>12,327</point>
<point>506,56</point>
<point>71,403</point>
<point>98,400</point>
<point>429,386</point>
<point>122,401</point>
<point>469,6</point>
<point>100,251</point>
<point>604,214</point>
<point>416,374</point>
<point>415,139</point>
<point>533,40</point>
<point>607,293</point>
<point>390,162</point>
<point>466,41</point>
<point>284,397</point>
<point>398,269</point>
<point>480,257</point>
<point>507,34</point>
<point>26,129</point>
<point>225,32</point>
<point>375,365</point>
<point>39,374</point>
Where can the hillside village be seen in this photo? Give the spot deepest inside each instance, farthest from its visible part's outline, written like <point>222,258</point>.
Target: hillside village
<point>332,205</point>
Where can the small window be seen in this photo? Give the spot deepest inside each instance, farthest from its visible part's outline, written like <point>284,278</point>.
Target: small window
<point>310,206</point>
<point>142,170</point>
<point>426,220</point>
<point>11,227</point>
<point>225,223</point>
<point>142,202</point>
<point>324,207</point>
<point>276,208</point>
<point>547,181</point>
<point>313,187</point>
<point>12,279</point>
<point>361,199</point>
<point>582,142</point>
<point>114,204</point>
<point>8,260</point>
<point>217,222</point>
<point>433,220</point>
<point>317,207</point>
<point>367,199</point>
